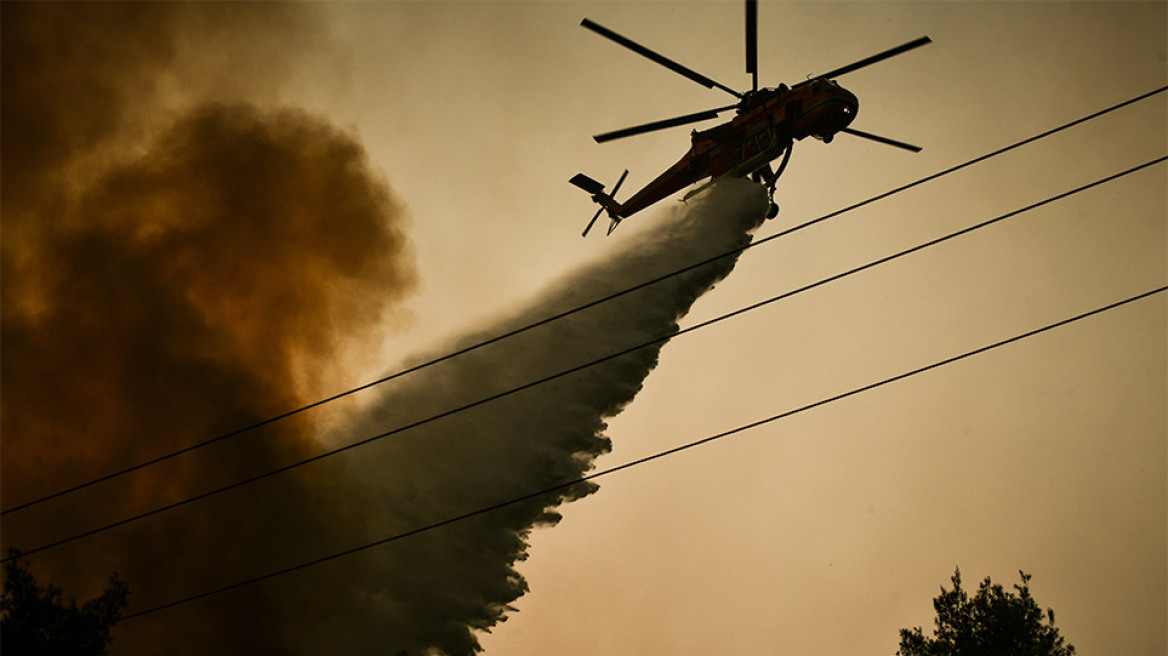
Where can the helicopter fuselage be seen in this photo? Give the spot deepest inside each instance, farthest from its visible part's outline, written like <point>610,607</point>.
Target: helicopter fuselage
<point>768,121</point>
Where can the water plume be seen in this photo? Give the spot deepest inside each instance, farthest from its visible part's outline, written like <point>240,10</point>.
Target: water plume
<point>433,591</point>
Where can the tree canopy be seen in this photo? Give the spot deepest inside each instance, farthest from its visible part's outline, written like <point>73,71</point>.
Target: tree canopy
<point>36,621</point>
<point>993,622</point>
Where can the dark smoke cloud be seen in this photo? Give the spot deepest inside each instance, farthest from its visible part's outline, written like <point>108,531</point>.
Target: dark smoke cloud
<point>241,253</point>
<point>68,86</point>
<point>168,280</point>
<point>80,78</point>
<point>180,259</point>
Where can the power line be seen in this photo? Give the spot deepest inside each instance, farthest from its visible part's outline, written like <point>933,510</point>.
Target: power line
<point>654,341</point>
<point>656,456</point>
<point>556,317</point>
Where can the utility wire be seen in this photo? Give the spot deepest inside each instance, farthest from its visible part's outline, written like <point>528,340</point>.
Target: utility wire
<point>654,341</point>
<point>641,461</point>
<point>555,317</point>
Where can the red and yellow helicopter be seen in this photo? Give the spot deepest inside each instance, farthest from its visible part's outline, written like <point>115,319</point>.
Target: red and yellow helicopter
<point>766,123</point>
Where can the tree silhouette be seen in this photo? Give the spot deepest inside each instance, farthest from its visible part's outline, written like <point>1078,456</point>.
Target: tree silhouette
<point>37,622</point>
<point>993,623</point>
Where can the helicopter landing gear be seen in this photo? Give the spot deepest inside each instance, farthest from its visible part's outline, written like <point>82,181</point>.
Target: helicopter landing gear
<point>773,208</point>
<point>770,177</point>
<point>767,178</point>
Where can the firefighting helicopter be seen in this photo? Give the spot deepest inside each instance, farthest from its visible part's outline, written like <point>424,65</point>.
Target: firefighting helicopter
<point>767,122</point>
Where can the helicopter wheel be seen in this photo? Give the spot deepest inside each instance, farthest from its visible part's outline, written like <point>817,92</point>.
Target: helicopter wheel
<point>772,211</point>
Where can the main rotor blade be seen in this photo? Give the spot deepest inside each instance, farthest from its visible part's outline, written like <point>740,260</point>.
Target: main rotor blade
<point>660,59</point>
<point>892,52</point>
<point>883,140</point>
<point>661,125</point>
<point>752,43</point>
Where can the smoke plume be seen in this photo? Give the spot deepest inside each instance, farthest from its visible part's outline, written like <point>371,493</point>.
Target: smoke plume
<point>176,264</point>
<point>182,258</point>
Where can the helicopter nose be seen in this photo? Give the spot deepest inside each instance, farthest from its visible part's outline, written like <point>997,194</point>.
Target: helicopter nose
<point>835,117</point>
<point>847,115</point>
<point>840,116</point>
<point>847,109</point>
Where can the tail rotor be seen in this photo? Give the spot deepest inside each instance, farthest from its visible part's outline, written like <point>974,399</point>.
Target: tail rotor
<point>606,201</point>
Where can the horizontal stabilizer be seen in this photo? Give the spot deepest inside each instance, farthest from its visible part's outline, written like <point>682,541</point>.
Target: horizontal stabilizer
<point>587,184</point>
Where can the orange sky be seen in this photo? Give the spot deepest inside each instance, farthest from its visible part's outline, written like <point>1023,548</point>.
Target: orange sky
<point>827,532</point>
<point>1046,456</point>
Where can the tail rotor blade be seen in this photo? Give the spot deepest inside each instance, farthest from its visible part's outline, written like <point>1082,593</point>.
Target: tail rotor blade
<point>620,182</point>
<point>884,140</point>
<point>592,222</point>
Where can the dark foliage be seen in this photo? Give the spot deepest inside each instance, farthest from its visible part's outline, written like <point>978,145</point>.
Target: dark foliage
<point>36,621</point>
<point>993,623</point>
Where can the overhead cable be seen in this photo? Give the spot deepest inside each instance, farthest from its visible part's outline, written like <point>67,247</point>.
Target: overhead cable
<point>634,463</point>
<point>652,342</point>
<point>517,331</point>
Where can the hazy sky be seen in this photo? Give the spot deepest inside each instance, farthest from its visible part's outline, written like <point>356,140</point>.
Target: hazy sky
<point>827,532</point>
